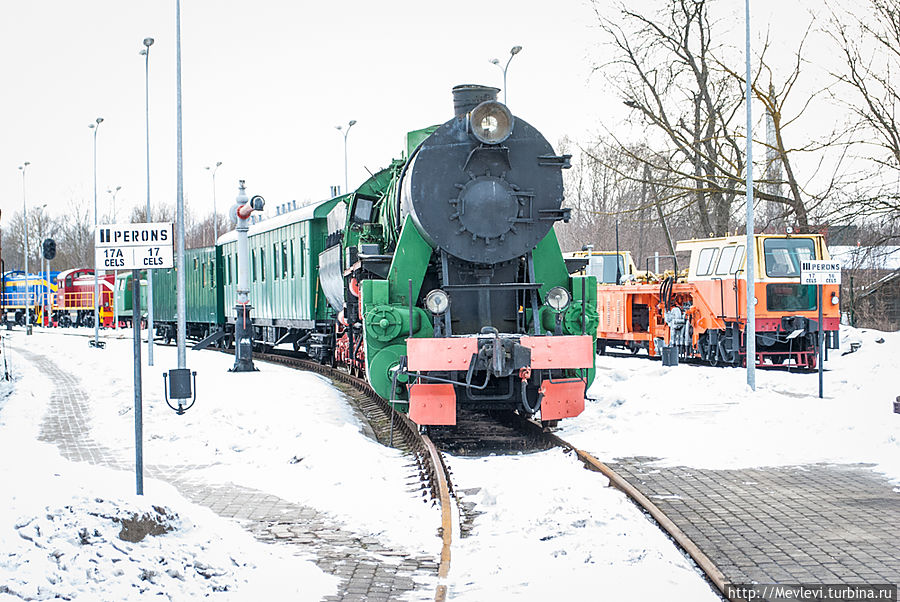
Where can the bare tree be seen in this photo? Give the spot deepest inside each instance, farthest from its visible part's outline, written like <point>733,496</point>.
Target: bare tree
<point>665,70</point>
<point>801,198</point>
<point>870,48</point>
<point>41,225</point>
<point>76,245</point>
<point>681,87</point>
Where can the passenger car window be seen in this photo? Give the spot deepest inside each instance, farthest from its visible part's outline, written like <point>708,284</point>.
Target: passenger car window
<point>275,269</point>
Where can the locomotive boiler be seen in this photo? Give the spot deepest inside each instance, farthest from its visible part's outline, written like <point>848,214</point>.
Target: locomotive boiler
<point>448,278</point>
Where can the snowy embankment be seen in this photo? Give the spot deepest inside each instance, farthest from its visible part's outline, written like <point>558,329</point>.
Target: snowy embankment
<point>707,417</point>
<point>280,431</point>
<point>74,531</point>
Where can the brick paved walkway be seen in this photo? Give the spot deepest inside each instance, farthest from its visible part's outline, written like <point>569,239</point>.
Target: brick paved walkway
<point>816,524</point>
<point>368,570</point>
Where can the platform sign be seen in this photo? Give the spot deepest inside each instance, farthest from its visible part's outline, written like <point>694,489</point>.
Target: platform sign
<point>134,246</point>
<point>820,272</point>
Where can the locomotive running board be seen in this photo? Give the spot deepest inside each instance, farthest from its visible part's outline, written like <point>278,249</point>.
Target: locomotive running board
<point>213,338</point>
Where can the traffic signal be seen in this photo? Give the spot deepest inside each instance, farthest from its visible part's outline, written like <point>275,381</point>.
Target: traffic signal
<point>49,249</point>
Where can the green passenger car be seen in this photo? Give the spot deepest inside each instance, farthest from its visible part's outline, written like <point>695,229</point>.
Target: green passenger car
<point>203,299</point>
<point>285,290</point>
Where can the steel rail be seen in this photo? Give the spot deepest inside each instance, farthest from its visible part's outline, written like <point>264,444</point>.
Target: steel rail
<point>681,538</point>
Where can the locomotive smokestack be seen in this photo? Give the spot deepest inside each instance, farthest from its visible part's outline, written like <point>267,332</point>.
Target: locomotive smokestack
<point>468,96</point>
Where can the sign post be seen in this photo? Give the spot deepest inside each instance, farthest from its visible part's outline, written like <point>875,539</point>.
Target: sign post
<point>135,247</point>
<point>818,274</point>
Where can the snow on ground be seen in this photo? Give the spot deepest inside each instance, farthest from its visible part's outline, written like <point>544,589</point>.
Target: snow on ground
<point>60,526</point>
<point>708,417</point>
<point>544,528</point>
<point>283,431</point>
<point>550,530</point>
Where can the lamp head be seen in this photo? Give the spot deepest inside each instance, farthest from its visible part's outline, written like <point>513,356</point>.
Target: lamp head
<point>339,128</point>
<point>351,124</point>
<point>148,42</point>
<point>515,50</point>
<point>495,61</point>
<point>143,52</point>
<point>99,120</point>
<point>218,163</point>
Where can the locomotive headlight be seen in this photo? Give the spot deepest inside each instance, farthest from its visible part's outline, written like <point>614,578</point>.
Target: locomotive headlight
<point>437,302</point>
<point>491,122</point>
<point>558,298</point>
<point>835,299</point>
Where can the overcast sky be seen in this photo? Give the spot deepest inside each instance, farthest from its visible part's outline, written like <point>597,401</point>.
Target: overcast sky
<point>264,84</point>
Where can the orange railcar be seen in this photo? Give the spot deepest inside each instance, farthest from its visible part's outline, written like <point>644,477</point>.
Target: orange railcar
<point>702,313</point>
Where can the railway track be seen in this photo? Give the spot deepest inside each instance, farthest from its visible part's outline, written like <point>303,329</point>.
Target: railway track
<point>395,429</point>
<point>482,434</point>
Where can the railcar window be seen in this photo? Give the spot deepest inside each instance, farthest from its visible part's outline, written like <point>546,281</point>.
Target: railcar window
<point>196,264</point>
<point>262,265</point>
<point>302,257</point>
<point>253,263</point>
<point>738,260</point>
<point>212,274</point>
<point>790,297</point>
<point>275,269</point>
<point>228,270</point>
<point>284,265</point>
<point>783,255</point>
<point>705,262</point>
<point>725,259</point>
<point>202,275</point>
<point>292,258</point>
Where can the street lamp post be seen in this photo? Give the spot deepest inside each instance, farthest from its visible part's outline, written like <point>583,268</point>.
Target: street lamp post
<point>145,52</point>
<point>751,239</point>
<point>25,250</point>
<point>212,170</point>
<point>113,194</point>
<point>512,52</point>
<point>345,131</point>
<point>96,127</point>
